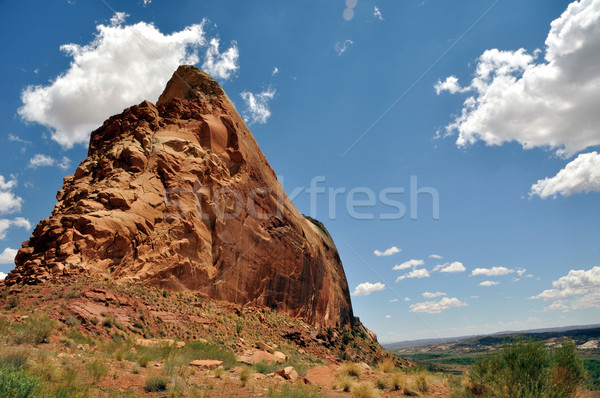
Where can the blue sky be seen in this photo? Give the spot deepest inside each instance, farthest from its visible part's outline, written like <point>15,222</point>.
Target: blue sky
<point>484,106</point>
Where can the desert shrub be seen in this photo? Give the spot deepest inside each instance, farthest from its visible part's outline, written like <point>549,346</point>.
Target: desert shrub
<point>12,302</point>
<point>364,390</point>
<point>97,369</point>
<point>143,361</point>
<point>35,330</point>
<point>72,321</point>
<point>526,368</point>
<point>16,383</point>
<point>350,369</point>
<point>156,384</point>
<point>568,371</point>
<point>108,322</point>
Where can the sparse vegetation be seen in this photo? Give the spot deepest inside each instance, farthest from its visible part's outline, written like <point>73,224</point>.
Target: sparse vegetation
<point>97,370</point>
<point>294,391</point>
<point>35,330</point>
<point>245,375</point>
<point>387,365</point>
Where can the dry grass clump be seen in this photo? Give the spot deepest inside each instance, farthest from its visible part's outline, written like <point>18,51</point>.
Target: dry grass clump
<point>364,390</point>
<point>350,369</point>
<point>382,383</point>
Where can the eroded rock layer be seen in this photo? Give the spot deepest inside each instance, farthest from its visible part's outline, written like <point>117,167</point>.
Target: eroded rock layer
<point>178,195</point>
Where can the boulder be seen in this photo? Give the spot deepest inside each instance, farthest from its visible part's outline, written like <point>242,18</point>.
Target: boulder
<point>206,363</point>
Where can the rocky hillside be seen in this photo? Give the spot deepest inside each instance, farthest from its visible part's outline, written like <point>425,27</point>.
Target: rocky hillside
<point>179,196</point>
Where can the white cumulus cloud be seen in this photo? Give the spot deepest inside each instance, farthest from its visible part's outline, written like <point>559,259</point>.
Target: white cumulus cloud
<point>433,295</point>
<point>453,268</point>
<point>489,283</point>
<point>8,256</point>
<point>494,271</point>
<point>9,202</point>
<point>366,288</point>
<point>435,256</point>
<point>387,252</point>
<point>580,175</point>
<point>416,273</point>
<point>436,307</point>
<point>578,289</point>
<point>257,106</point>
<point>122,66</point>
<point>18,222</point>
<point>41,160</point>
<point>549,103</point>
<point>2,276</point>
<point>408,264</point>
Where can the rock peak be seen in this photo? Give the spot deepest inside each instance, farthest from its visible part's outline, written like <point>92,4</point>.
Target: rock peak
<point>179,196</point>
<point>190,82</point>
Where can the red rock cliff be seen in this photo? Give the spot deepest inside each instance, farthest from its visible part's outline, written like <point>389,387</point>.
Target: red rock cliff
<point>180,196</point>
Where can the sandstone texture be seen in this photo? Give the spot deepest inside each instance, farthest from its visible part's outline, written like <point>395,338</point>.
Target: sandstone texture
<point>179,196</point>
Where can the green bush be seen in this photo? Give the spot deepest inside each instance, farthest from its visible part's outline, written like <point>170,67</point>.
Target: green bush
<point>16,383</point>
<point>527,369</point>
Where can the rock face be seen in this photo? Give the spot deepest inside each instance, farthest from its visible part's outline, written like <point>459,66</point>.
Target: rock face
<point>178,195</point>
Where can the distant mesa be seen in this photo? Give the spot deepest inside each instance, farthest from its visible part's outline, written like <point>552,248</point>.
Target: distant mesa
<point>179,196</point>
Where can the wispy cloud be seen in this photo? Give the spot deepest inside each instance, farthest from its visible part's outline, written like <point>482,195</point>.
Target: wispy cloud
<point>377,13</point>
<point>433,295</point>
<point>341,46</point>
<point>257,106</point>
<point>221,65</point>
<point>408,264</point>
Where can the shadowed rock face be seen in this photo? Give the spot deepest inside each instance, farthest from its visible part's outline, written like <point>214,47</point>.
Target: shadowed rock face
<point>180,196</point>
